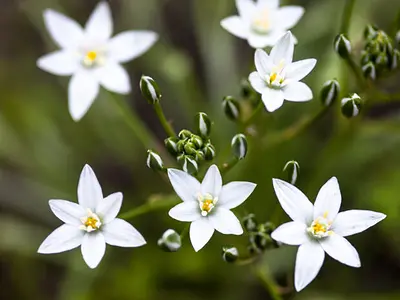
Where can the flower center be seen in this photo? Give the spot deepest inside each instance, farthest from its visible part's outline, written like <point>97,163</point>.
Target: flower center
<point>276,77</point>
<point>93,58</point>
<point>90,222</point>
<point>320,227</point>
<point>262,22</point>
<point>207,203</point>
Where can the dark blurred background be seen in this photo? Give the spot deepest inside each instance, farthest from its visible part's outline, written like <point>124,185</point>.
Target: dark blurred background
<point>196,63</point>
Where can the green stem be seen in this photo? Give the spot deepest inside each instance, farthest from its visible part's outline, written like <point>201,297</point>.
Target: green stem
<point>269,283</point>
<point>250,119</point>
<point>165,124</point>
<point>185,231</point>
<point>356,71</point>
<point>225,167</point>
<point>346,19</point>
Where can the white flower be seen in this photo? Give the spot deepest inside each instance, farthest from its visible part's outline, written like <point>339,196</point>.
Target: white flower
<point>319,228</point>
<point>207,205</point>
<point>262,22</point>
<point>278,78</point>
<point>91,56</point>
<point>90,224</point>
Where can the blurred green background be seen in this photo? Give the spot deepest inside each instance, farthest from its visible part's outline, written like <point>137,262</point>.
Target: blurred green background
<point>196,63</point>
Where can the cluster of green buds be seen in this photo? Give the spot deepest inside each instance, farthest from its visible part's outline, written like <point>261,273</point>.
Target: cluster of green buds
<point>259,235</point>
<point>379,54</point>
<point>192,148</point>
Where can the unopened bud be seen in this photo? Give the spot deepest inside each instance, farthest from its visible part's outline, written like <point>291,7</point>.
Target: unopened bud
<point>209,151</point>
<point>329,92</point>
<point>381,61</point>
<point>171,144</point>
<point>351,106</point>
<point>170,241</point>
<point>267,228</point>
<point>150,89</point>
<point>231,108</point>
<point>189,164</point>
<point>230,254</point>
<point>342,46</point>
<point>203,124</point>
<point>369,71</point>
<point>154,161</point>
<point>246,89</point>
<point>196,140</point>
<point>239,146</point>
<point>395,59</point>
<point>250,223</point>
<point>189,148</point>
<point>370,32</point>
<point>262,241</point>
<point>292,169</point>
<point>397,38</point>
<point>199,155</point>
<point>184,134</point>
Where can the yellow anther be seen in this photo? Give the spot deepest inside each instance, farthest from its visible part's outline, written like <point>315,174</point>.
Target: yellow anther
<point>91,55</point>
<point>207,205</point>
<point>273,77</point>
<point>92,222</point>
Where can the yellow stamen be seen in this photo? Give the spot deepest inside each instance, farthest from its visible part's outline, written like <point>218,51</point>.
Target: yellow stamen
<point>207,205</point>
<point>273,77</point>
<point>91,55</point>
<point>92,222</point>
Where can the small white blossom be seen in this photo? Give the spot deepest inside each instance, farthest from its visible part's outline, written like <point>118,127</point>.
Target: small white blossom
<point>262,22</point>
<point>91,56</point>
<point>207,205</point>
<point>90,224</point>
<point>278,78</point>
<point>319,228</point>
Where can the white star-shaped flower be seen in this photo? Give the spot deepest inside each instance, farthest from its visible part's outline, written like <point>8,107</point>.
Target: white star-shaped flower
<point>90,224</point>
<point>207,205</point>
<point>319,228</point>
<point>278,78</point>
<point>262,22</point>
<point>91,56</point>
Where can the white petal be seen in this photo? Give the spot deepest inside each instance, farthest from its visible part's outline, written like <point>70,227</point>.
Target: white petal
<point>64,238</point>
<point>212,182</point>
<point>187,187</point>
<point>291,233</point>
<point>355,221</point>
<point>235,193</point>
<point>225,221</point>
<point>258,84</point>
<point>236,26</point>
<point>122,234</point>
<point>82,91</point>
<point>114,78</point>
<point>328,200</point>
<point>108,208</point>
<point>283,50</point>
<point>99,26</point>
<point>293,201</point>
<point>289,16</point>
<point>297,92</point>
<point>67,33</point>
<point>309,260</point>
<point>246,9</point>
<point>298,70</point>
<point>186,211</point>
<point>272,98</point>
<point>93,248</point>
<point>131,44</point>
<point>62,63</point>
<point>340,249</point>
<point>89,189</point>
<point>200,233</point>
<point>268,3</point>
<point>67,211</point>
<point>263,63</point>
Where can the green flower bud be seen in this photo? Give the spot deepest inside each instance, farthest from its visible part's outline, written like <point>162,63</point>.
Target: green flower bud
<point>261,241</point>
<point>329,92</point>
<point>397,38</point>
<point>189,165</point>
<point>203,124</point>
<point>230,254</point>
<point>199,155</point>
<point>365,57</point>
<point>184,134</point>
<point>171,144</point>
<point>170,241</point>
<point>250,223</point>
<point>246,89</point>
<point>154,161</point>
<point>342,46</point>
<point>370,32</point>
<point>266,228</point>
<point>292,169</point>
<point>150,89</point>
<point>239,146</point>
<point>209,151</point>
<point>197,141</point>
<point>181,146</point>
<point>351,106</point>
<point>395,59</point>
<point>381,61</point>
<point>231,108</point>
<point>190,148</point>
<point>369,71</point>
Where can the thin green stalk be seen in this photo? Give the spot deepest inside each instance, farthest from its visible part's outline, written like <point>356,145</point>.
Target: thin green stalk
<point>356,71</point>
<point>165,124</point>
<point>184,231</point>
<point>346,19</point>
<point>269,283</point>
<point>225,167</point>
<point>250,119</point>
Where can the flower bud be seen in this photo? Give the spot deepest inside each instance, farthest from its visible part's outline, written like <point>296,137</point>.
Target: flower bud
<point>246,89</point>
<point>292,169</point>
<point>366,57</point>
<point>203,124</point>
<point>154,161</point>
<point>150,89</point>
<point>397,38</point>
<point>230,254</point>
<point>369,71</point>
<point>351,106</point>
<point>395,59</point>
<point>267,228</point>
<point>209,151</point>
<point>239,146</point>
<point>184,134</point>
<point>171,144</point>
<point>231,108</point>
<point>370,32</point>
<point>261,241</point>
<point>329,92</point>
<point>196,141</point>
<point>199,155</point>
<point>381,61</point>
<point>250,223</point>
<point>189,164</point>
<point>189,148</point>
<point>170,241</point>
<point>342,46</point>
